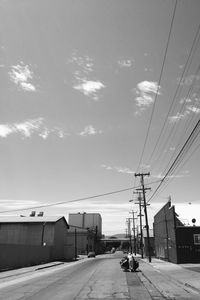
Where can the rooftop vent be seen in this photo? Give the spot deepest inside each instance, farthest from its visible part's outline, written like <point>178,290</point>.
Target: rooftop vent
<point>32,214</point>
<point>41,214</point>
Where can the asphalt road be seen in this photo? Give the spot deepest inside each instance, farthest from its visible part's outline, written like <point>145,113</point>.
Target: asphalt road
<point>95,278</point>
<point>102,278</point>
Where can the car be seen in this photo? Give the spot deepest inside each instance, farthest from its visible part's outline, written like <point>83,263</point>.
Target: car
<point>91,254</point>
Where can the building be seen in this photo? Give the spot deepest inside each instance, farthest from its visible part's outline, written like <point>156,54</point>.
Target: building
<point>26,241</point>
<point>91,221</point>
<point>174,241</point>
<point>80,241</point>
<point>87,228</point>
<point>151,242</point>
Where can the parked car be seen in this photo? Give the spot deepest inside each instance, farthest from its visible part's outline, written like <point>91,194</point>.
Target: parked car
<point>91,254</point>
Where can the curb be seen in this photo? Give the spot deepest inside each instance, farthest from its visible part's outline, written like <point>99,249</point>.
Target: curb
<point>45,267</point>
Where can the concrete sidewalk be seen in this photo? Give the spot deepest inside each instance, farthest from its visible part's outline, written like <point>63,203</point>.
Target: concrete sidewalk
<point>171,280</point>
<point>6,275</point>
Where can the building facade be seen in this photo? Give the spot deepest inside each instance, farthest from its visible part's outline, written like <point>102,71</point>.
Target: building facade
<point>79,241</point>
<point>26,241</point>
<point>174,241</point>
<point>87,227</point>
<point>91,221</point>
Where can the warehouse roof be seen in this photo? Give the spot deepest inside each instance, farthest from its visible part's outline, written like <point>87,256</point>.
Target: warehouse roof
<point>35,219</point>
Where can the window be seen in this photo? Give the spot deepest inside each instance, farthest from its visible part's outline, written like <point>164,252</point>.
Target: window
<point>196,239</point>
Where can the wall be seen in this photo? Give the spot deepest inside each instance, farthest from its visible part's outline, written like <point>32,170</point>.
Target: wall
<point>60,237</point>
<point>84,242</point>
<point>17,256</point>
<point>86,220</point>
<point>26,233</point>
<point>165,233</point>
<point>152,246</point>
<point>188,251</point>
<point>25,244</point>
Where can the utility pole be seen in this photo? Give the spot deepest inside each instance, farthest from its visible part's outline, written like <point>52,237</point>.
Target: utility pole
<point>134,239</point>
<point>95,239</point>
<point>140,216</point>
<point>129,232</point>
<point>75,245</point>
<point>167,233</point>
<point>143,189</point>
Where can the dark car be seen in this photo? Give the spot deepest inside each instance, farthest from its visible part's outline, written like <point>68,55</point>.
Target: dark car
<point>91,254</point>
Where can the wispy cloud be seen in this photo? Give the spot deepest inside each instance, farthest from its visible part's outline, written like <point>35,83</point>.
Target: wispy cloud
<point>84,67</point>
<point>125,63</point>
<point>30,127</point>
<point>18,204</point>
<point>89,130</point>
<point>193,109</point>
<point>146,91</point>
<point>176,118</point>
<point>26,128</point>
<point>123,170</point>
<point>89,87</point>
<point>188,80</point>
<point>21,75</point>
<point>84,62</point>
<point>189,109</point>
<point>181,175</point>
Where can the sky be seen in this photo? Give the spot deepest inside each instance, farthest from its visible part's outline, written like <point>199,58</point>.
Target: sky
<point>93,92</point>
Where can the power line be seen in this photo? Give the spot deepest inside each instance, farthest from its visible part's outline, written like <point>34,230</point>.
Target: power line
<point>185,70</point>
<point>170,179</point>
<point>187,145</point>
<point>174,131</point>
<point>159,81</point>
<point>75,200</point>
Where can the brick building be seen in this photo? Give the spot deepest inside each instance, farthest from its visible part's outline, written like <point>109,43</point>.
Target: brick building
<point>174,241</point>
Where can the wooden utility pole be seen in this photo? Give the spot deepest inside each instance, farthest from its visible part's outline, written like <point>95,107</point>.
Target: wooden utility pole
<point>75,245</point>
<point>129,232</point>
<point>143,189</point>
<point>134,238</point>
<point>140,216</point>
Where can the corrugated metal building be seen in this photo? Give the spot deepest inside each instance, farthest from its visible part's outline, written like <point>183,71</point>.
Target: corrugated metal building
<point>26,241</point>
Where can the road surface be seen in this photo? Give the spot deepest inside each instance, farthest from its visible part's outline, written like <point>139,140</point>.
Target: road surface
<point>90,278</point>
<point>94,278</point>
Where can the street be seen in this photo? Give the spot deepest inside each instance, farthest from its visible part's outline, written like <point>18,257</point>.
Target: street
<point>90,279</point>
<point>96,278</point>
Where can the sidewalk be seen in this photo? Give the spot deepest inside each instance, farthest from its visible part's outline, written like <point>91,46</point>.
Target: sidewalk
<point>5,275</point>
<point>171,279</point>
